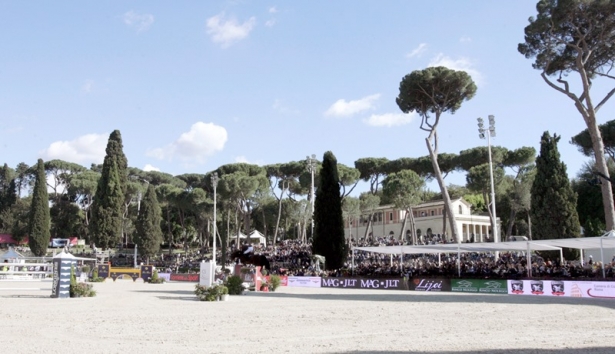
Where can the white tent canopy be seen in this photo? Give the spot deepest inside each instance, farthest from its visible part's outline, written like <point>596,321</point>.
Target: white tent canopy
<point>11,254</point>
<point>255,235</point>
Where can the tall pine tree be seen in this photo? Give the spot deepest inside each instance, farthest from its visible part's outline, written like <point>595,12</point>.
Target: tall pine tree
<point>553,211</point>
<point>39,221</point>
<point>328,238</point>
<point>108,205</point>
<point>148,236</point>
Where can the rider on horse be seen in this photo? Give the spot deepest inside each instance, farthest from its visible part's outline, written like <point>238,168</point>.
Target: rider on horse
<point>248,250</point>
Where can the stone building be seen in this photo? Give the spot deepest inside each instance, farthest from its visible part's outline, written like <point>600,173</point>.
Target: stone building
<point>388,221</point>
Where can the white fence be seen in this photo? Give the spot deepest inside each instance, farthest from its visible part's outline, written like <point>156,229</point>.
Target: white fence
<point>25,271</point>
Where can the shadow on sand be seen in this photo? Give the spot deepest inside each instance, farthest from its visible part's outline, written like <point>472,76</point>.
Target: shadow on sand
<point>446,297</point>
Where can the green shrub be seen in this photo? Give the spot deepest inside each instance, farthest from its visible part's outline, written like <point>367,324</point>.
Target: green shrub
<point>86,269</point>
<point>82,290</point>
<point>79,289</point>
<point>234,285</point>
<point>274,282</point>
<point>95,278</point>
<point>212,293</point>
<point>155,278</point>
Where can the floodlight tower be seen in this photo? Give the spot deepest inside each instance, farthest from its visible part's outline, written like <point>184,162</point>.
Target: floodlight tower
<point>489,133</point>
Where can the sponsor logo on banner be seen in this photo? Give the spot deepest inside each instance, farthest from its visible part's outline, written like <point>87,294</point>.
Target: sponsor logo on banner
<point>430,284</point>
<point>542,287</point>
<point>479,286</point>
<point>304,282</point>
<point>360,283</point>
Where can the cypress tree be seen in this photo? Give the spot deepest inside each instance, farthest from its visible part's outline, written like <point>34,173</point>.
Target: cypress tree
<point>40,220</point>
<point>148,235</point>
<point>554,213</point>
<point>328,239</point>
<point>108,205</point>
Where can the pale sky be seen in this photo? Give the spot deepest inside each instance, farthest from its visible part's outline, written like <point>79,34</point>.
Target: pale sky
<point>198,84</point>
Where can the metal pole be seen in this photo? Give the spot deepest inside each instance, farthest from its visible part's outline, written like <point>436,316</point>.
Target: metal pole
<point>602,258</point>
<point>496,235</point>
<point>528,260</point>
<point>214,183</point>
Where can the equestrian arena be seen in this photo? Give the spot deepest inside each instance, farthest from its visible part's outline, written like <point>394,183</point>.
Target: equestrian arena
<point>137,317</point>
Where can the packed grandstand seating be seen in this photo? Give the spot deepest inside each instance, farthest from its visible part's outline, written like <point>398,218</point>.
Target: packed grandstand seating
<point>290,257</point>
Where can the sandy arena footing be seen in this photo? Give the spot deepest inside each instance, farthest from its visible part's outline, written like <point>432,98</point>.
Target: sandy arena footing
<point>127,317</point>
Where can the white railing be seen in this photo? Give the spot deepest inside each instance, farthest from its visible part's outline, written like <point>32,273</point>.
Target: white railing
<point>25,271</point>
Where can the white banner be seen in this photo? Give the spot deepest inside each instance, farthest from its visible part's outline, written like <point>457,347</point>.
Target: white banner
<point>304,282</point>
<point>588,289</point>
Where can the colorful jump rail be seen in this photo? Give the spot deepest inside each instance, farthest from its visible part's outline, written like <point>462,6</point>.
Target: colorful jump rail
<point>144,272</point>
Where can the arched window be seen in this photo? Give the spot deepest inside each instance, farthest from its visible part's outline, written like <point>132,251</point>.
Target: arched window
<point>460,210</point>
<point>418,232</point>
<point>391,233</point>
<point>429,233</point>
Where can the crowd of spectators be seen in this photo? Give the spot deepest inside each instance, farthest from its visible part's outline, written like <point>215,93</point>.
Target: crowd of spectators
<point>294,258</point>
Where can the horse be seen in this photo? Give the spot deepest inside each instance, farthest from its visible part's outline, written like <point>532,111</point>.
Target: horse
<point>255,259</point>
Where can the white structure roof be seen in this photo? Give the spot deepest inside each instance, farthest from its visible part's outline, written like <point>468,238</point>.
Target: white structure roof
<point>605,241</point>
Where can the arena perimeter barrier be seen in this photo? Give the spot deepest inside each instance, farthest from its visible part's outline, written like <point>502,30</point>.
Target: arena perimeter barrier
<point>566,288</point>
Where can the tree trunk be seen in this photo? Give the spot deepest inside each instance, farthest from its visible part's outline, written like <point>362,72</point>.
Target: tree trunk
<point>412,227</point>
<point>369,223</point>
<point>443,221</point>
<point>169,230</point>
<point>601,166</point>
<point>491,218</point>
<point>403,226</point>
<point>529,224</point>
<point>277,223</point>
<point>448,206</point>
<point>511,222</point>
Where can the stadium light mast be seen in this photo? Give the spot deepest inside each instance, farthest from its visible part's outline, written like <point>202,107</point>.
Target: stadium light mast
<point>311,165</point>
<point>489,133</point>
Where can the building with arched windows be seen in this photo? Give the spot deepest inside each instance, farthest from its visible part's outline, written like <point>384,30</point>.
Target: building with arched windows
<point>428,217</point>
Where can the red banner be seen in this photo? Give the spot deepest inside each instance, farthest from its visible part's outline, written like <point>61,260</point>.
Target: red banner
<point>184,277</point>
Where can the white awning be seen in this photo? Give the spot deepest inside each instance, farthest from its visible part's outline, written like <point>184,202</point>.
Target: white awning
<point>462,247</point>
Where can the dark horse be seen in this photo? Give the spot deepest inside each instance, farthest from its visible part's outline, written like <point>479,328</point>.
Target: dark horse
<point>255,259</point>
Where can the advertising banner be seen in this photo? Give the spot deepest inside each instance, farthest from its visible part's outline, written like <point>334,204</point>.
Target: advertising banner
<point>490,286</point>
<point>588,289</point>
<point>184,277</point>
<point>304,282</point>
<point>363,283</point>
<point>147,271</point>
<point>419,284</point>
<point>165,276</point>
